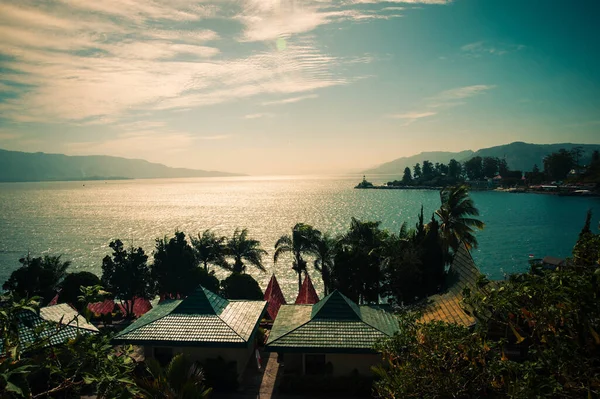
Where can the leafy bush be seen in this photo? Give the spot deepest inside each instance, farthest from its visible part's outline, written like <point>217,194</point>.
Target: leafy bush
<point>241,286</point>
<point>71,287</point>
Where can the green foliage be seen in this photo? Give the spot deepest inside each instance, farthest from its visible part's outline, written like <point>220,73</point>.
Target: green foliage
<point>324,256</point>
<point>210,249</point>
<point>407,177</point>
<point>302,242</point>
<point>474,168</point>
<point>241,248</point>
<point>435,360</point>
<point>127,275</point>
<point>70,288</point>
<point>181,379</point>
<point>175,264</point>
<point>88,363</point>
<point>536,336</point>
<point>587,249</point>
<point>558,164</point>
<point>37,277</point>
<point>241,286</point>
<point>457,224</point>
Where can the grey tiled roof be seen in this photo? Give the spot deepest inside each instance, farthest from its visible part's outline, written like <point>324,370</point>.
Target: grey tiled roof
<point>334,324</point>
<point>54,325</point>
<point>202,319</point>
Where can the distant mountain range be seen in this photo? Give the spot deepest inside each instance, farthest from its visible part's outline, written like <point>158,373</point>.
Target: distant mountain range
<point>18,166</point>
<point>518,155</point>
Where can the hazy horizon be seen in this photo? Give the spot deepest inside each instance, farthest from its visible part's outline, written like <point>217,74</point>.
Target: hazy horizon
<point>291,87</point>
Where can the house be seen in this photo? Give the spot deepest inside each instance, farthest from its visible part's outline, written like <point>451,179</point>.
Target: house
<point>109,306</point>
<point>334,336</point>
<point>308,294</point>
<point>203,326</point>
<point>54,324</point>
<point>274,297</point>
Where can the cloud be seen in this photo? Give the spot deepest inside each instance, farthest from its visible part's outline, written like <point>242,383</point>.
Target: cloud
<point>478,49</point>
<point>445,99</point>
<point>291,100</point>
<point>452,97</point>
<point>411,117</point>
<point>259,115</point>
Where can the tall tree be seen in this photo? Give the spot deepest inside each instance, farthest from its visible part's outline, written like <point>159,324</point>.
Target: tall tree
<point>175,267</point>
<point>324,254</point>
<point>127,276</point>
<point>301,242</point>
<point>407,178</point>
<point>457,222</point>
<point>454,169</point>
<point>503,167</point>
<point>558,164</point>
<point>210,249</point>
<point>70,287</point>
<point>490,167</point>
<point>37,277</point>
<point>473,168</point>
<point>427,170</point>
<point>357,265</point>
<point>241,248</point>
<point>417,171</point>
<point>577,153</point>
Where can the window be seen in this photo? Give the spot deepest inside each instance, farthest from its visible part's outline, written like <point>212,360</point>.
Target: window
<point>163,355</point>
<point>314,364</point>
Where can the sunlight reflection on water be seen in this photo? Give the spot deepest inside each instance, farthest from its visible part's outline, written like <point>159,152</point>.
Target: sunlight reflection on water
<point>79,221</point>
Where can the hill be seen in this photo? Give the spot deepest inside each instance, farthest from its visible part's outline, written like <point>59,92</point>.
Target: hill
<point>397,166</point>
<point>16,166</point>
<point>518,155</point>
<point>522,156</point>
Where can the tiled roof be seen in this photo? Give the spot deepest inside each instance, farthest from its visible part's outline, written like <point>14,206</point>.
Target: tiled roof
<point>274,297</point>
<point>463,273</point>
<point>55,324</point>
<point>335,324</point>
<point>202,319</point>
<point>101,308</point>
<point>308,294</point>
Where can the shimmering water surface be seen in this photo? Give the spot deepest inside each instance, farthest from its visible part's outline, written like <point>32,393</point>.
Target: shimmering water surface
<point>78,219</point>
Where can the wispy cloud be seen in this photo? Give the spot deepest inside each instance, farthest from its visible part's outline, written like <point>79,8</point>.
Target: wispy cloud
<point>454,97</point>
<point>478,49</point>
<point>445,99</point>
<point>291,100</point>
<point>259,115</point>
<point>411,117</point>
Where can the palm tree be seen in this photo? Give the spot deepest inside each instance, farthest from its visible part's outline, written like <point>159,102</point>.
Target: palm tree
<point>324,252</point>
<point>209,248</point>
<point>179,380</point>
<point>241,248</point>
<point>456,222</point>
<point>301,242</point>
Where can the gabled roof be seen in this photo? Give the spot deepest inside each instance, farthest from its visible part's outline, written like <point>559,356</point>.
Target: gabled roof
<point>201,319</point>
<point>334,325</point>
<point>463,273</point>
<point>274,297</point>
<point>308,294</point>
<point>55,324</point>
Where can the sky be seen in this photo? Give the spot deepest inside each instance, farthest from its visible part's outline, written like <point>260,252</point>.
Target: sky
<point>295,86</point>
